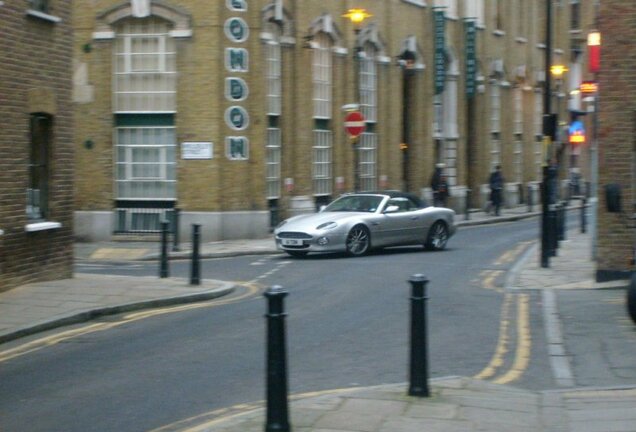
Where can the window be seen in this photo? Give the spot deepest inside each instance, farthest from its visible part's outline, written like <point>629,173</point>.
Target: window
<point>37,194</point>
<point>273,59</point>
<point>368,83</point>
<point>321,173</point>
<point>146,162</point>
<point>273,159</point>
<point>145,67</point>
<point>322,76</point>
<point>575,15</point>
<point>495,124</point>
<point>499,15</point>
<point>40,5</point>
<point>367,148</point>
<point>522,19</point>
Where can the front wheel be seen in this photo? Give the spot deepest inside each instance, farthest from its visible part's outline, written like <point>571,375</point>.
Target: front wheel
<point>437,237</point>
<point>358,241</point>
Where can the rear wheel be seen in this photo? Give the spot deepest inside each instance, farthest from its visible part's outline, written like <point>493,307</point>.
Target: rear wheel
<point>437,237</point>
<point>358,241</point>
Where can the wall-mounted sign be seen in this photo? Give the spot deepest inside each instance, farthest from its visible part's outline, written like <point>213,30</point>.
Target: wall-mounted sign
<point>196,150</point>
<point>235,89</point>
<point>236,29</point>
<point>236,5</point>
<point>237,147</point>
<point>439,42</point>
<point>588,87</point>
<point>236,59</point>
<point>577,132</point>
<point>236,117</point>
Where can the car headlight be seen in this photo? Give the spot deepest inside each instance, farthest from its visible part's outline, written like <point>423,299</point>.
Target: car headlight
<point>327,226</point>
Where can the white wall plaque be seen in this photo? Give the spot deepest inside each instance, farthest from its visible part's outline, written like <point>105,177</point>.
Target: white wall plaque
<point>196,150</point>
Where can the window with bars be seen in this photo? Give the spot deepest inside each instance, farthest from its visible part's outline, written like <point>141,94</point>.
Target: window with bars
<point>368,150</point>
<point>146,163</point>
<point>145,67</point>
<point>368,83</point>
<point>273,159</point>
<point>449,116</point>
<point>37,193</point>
<point>322,162</point>
<point>274,82</point>
<point>322,76</point>
<point>517,94</point>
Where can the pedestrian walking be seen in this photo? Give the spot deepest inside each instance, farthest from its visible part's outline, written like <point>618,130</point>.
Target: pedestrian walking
<point>496,182</point>
<point>439,185</point>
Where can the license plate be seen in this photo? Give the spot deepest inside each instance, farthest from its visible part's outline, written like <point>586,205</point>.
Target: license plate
<point>291,242</point>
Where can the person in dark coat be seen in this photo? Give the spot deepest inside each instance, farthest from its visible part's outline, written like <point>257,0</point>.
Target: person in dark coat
<point>439,186</point>
<point>496,183</point>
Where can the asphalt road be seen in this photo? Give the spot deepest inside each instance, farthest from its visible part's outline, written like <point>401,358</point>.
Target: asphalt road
<point>347,326</point>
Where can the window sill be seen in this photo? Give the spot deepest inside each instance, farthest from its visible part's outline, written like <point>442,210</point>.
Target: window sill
<point>43,16</point>
<point>42,226</point>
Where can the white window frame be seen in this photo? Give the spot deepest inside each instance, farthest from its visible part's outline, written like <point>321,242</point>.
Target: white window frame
<point>144,89</point>
<point>495,106</point>
<point>475,9</point>
<point>368,83</point>
<point>274,78</point>
<point>450,5</point>
<point>322,76</point>
<point>273,163</point>
<point>368,149</point>
<point>322,162</point>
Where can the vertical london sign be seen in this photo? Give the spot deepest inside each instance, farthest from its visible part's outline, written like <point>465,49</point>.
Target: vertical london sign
<point>439,45</point>
<point>470,33</point>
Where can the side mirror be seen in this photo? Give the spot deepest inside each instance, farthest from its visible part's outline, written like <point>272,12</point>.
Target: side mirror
<point>392,209</point>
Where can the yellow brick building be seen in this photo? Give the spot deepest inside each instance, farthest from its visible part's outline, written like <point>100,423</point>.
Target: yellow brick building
<point>233,110</point>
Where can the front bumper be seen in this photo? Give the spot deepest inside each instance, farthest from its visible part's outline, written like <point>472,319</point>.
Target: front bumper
<point>329,242</point>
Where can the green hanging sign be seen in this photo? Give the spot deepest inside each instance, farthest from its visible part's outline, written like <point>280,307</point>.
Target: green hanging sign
<point>470,32</point>
<point>439,44</point>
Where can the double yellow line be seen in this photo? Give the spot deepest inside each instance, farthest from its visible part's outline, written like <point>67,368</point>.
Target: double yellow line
<point>514,310</point>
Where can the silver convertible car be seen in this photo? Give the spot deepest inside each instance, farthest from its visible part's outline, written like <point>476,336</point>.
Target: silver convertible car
<point>357,222</point>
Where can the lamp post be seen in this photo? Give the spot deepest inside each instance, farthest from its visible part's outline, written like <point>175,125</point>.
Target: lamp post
<point>357,17</point>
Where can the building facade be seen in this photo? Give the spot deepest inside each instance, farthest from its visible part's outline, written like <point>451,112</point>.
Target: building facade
<point>616,118</point>
<point>232,111</point>
<point>36,142</point>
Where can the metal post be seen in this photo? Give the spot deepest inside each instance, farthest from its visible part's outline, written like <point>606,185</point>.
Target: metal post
<point>560,221</point>
<point>418,385</point>
<point>163,265</point>
<point>583,213</point>
<point>195,267</point>
<point>277,405</point>
<point>564,221</point>
<point>468,203</point>
<point>175,229</point>
<point>545,234</point>
<point>529,199</point>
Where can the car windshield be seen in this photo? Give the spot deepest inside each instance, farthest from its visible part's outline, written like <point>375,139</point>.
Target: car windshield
<point>355,203</point>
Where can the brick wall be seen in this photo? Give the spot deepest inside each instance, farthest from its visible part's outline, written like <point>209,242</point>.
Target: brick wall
<point>617,119</point>
<point>35,77</point>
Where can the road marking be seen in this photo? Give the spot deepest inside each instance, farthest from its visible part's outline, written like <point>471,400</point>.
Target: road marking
<point>524,343</point>
<point>251,290</point>
<point>502,343</point>
<point>488,280</point>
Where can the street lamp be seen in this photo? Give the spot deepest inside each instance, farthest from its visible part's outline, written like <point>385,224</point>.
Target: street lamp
<point>357,17</point>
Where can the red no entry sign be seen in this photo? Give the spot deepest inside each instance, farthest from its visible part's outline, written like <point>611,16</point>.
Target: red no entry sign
<point>354,123</point>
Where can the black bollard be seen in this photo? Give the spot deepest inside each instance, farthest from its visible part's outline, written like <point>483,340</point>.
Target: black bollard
<point>175,230</point>
<point>195,265</point>
<point>163,264</point>
<point>277,410</point>
<point>418,385</point>
<point>529,199</point>
<point>553,230</point>
<point>561,221</point>
<point>468,204</point>
<point>631,298</point>
<point>583,214</point>
<point>564,221</point>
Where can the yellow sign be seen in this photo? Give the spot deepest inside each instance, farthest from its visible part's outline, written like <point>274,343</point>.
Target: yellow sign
<point>588,87</point>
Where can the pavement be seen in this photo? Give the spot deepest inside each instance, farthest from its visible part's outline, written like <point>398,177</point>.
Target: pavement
<point>454,404</point>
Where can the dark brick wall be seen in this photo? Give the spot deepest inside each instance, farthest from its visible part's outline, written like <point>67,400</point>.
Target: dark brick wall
<point>617,117</point>
<point>35,75</point>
